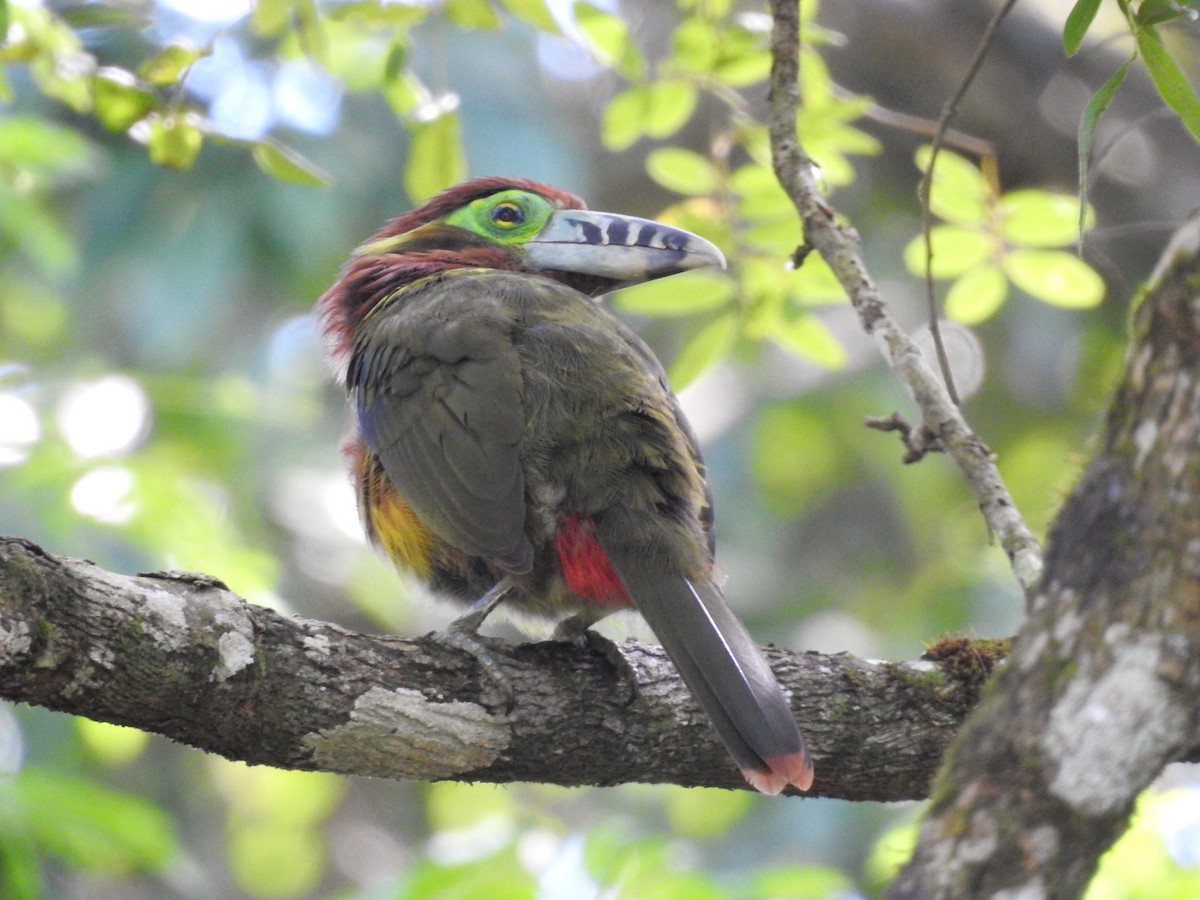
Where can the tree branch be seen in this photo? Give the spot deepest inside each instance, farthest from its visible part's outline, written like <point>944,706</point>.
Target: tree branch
<point>1100,690</point>
<point>180,655</point>
<point>838,246</point>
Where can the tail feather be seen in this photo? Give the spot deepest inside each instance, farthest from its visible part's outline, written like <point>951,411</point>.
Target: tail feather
<point>727,673</point>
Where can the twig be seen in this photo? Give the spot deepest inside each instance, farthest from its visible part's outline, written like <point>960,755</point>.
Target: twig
<point>838,246</point>
<point>939,137</point>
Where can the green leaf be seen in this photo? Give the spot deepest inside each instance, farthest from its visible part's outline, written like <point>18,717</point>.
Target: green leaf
<point>955,250</point>
<point>696,45</point>
<point>275,858</point>
<point>608,37</point>
<point>760,198</point>
<point>802,883</point>
<point>268,18</point>
<point>435,158</point>
<point>87,825</point>
<point>1172,84</point>
<point>120,100</point>
<point>472,14</point>
<point>705,813</point>
<point>1155,12</point>
<point>623,118</point>
<point>532,12</point>
<point>37,232</point>
<point>164,68</point>
<point>681,295</point>
<point>809,338</point>
<point>1037,218</point>
<point>3,19</point>
<point>1079,20</point>
<point>458,806</point>
<point>958,193</point>
<point>976,295</point>
<point>795,457</point>
<point>1087,128</point>
<point>669,104</point>
<point>1055,277</point>
<point>497,877</point>
<point>683,171</point>
<point>174,141</point>
<point>702,350</point>
<point>286,164</point>
<point>52,153</point>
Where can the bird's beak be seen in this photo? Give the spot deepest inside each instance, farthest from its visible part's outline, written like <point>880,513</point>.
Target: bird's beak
<point>624,249</point>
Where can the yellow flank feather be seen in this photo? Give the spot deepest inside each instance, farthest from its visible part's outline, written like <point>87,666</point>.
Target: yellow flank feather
<point>393,525</point>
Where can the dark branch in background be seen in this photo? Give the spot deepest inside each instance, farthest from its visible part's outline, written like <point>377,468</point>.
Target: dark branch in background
<point>838,246</point>
<point>180,655</point>
<point>949,109</point>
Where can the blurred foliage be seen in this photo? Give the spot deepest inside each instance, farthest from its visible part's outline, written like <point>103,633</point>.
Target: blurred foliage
<point>162,402</point>
<point>991,239</point>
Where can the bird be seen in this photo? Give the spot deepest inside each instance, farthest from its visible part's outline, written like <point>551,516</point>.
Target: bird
<point>514,442</point>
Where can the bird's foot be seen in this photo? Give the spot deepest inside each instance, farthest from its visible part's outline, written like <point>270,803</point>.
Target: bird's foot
<point>577,631</point>
<point>463,634</point>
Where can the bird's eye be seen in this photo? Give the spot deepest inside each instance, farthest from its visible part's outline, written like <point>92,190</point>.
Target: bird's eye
<point>508,215</point>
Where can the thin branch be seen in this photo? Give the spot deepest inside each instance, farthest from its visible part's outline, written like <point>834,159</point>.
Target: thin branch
<point>839,247</point>
<point>923,191</point>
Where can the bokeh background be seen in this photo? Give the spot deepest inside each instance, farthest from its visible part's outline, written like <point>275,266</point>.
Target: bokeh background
<point>163,404</point>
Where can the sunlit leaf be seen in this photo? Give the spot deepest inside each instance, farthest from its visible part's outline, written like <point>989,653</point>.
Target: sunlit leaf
<point>116,745</point>
<point>435,157</point>
<point>1037,218</point>
<point>802,883</point>
<point>814,283</point>
<point>1172,83</point>
<point>608,37</point>
<point>1153,857</point>
<point>702,350</point>
<point>696,45</point>
<point>955,250</point>
<point>165,67</point>
<point>682,295</point>
<point>269,18</point>
<point>37,232</point>
<point>976,295</point>
<point>683,171</point>
<point>745,69</point>
<point>532,12</point>
<point>623,118</point>
<point>275,859</point>
<point>1056,277</point>
<point>120,100</point>
<point>704,813</point>
<point>174,141</point>
<point>471,14</point>
<point>809,338</point>
<point>1079,20</point>
<point>456,805</point>
<point>669,104</point>
<point>286,164</point>
<point>958,193</point>
<point>497,877</point>
<point>759,195</point>
<point>39,147</point>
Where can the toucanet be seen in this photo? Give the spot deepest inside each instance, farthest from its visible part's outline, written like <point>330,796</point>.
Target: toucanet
<point>515,441</point>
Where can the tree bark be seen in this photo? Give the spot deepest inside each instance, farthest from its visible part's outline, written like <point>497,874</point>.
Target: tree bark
<point>1099,693</point>
<point>180,655</point>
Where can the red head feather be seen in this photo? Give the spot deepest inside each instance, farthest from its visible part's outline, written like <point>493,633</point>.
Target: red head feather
<point>369,277</point>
